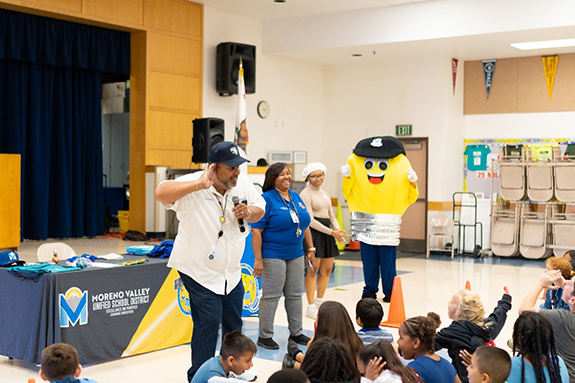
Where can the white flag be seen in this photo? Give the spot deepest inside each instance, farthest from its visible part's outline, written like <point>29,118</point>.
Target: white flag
<point>241,132</point>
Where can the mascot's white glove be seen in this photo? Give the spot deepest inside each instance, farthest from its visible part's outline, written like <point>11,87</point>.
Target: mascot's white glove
<point>411,175</point>
<point>345,170</point>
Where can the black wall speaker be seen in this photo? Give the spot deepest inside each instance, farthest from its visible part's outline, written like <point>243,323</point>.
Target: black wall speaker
<point>207,132</point>
<point>228,63</point>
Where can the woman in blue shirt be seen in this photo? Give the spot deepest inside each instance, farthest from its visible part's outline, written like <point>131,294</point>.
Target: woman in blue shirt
<point>278,241</point>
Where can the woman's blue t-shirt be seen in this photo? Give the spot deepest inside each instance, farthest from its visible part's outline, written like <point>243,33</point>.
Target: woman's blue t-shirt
<point>279,239</point>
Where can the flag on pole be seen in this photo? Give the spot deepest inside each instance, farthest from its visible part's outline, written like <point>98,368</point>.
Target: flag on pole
<point>241,132</point>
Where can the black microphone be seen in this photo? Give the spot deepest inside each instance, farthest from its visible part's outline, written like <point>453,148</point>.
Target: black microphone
<point>236,202</point>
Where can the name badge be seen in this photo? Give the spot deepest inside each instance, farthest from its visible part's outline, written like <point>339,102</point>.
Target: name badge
<point>213,252</point>
<point>294,217</point>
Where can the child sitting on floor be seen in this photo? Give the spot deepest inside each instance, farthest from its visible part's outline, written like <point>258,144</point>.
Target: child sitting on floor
<point>60,363</point>
<point>470,329</point>
<point>235,356</point>
<point>553,297</point>
<point>368,315</point>
<point>489,365</point>
<point>417,341</point>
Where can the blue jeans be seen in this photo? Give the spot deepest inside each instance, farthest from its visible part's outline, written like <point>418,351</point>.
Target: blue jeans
<point>209,310</point>
<point>376,260</point>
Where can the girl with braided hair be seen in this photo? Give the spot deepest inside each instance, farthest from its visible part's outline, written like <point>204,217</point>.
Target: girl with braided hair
<point>537,360</point>
<point>328,360</point>
<point>379,363</point>
<point>416,341</point>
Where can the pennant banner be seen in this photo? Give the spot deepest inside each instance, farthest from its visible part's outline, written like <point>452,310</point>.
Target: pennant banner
<point>241,131</point>
<point>454,65</point>
<point>488,72</point>
<point>550,68</point>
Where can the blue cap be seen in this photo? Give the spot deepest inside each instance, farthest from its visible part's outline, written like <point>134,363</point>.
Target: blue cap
<point>10,258</point>
<point>226,152</point>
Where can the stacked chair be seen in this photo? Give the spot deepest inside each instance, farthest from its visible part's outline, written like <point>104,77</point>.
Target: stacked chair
<point>519,226</point>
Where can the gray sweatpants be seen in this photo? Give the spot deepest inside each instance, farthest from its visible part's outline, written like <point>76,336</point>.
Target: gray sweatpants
<point>281,276</point>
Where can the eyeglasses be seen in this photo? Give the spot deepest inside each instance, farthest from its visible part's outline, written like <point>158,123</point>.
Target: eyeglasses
<point>316,177</point>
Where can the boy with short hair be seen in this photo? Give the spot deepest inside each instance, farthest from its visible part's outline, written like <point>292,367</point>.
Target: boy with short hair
<point>235,356</point>
<point>60,363</point>
<point>489,365</point>
<point>368,315</point>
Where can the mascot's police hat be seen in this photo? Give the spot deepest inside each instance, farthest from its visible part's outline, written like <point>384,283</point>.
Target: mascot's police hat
<point>379,147</point>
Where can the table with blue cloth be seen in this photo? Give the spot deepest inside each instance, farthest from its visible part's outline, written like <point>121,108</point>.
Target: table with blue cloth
<point>106,313</point>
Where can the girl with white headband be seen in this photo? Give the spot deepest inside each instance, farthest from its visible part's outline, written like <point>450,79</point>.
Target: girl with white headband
<point>324,228</point>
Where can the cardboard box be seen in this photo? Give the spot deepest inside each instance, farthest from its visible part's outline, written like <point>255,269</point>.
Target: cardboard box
<point>113,105</point>
<point>113,90</point>
<point>118,105</point>
<point>107,106</point>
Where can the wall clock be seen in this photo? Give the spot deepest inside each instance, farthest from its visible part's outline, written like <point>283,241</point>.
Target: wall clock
<point>263,109</point>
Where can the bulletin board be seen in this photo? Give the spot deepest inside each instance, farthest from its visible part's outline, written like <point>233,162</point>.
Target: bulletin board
<point>478,170</point>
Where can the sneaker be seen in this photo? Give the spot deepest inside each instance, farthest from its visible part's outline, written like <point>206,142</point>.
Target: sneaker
<point>247,375</point>
<point>318,302</point>
<point>288,362</point>
<point>311,311</point>
<point>293,349</point>
<point>268,343</point>
<point>387,298</point>
<point>369,295</point>
<point>300,339</point>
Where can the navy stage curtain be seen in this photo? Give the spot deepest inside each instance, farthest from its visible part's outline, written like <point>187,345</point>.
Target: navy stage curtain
<point>50,113</point>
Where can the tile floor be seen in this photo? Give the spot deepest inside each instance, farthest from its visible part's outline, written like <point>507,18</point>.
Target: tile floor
<point>427,285</point>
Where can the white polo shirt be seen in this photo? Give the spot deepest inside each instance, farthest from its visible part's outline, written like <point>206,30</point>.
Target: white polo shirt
<point>199,215</point>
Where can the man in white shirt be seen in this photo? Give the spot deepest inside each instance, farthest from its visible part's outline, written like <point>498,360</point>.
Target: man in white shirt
<point>210,243</point>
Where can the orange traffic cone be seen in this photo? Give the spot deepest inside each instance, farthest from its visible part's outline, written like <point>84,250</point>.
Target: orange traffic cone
<point>543,293</point>
<point>353,245</point>
<point>467,286</point>
<point>396,307</point>
<point>31,380</point>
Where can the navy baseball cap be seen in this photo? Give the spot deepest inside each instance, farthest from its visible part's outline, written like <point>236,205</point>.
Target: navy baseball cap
<point>10,258</point>
<point>226,152</point>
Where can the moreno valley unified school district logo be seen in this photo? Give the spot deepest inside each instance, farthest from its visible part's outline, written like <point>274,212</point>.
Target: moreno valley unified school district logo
<point>183,297</point>
<point>252,289</point>
<point>73,307</point>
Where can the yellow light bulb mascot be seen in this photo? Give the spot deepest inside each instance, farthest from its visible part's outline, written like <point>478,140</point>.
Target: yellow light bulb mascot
<point>379,185</point>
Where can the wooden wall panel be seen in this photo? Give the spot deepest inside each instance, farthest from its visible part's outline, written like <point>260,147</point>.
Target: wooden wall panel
<point>177,55</point>
<point>532,91</point>
<point>170,92</point>
<point>503,96</point>
<point>138,86</point>
<point>10,197</point>
<point>54,5</point>
<point>169,131</point>
<point>128,12</point>
<point>175,16</point>
<point>181,159</point>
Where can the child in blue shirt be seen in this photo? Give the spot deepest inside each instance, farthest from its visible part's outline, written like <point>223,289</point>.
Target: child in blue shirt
<point>368,315</point>
<point>235,356</point>
<point>60,363</point>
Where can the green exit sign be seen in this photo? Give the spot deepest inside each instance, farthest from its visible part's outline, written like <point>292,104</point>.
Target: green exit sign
<point>403,130</point>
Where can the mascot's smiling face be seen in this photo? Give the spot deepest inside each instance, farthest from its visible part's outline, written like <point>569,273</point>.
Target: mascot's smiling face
<point>376,168</point>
